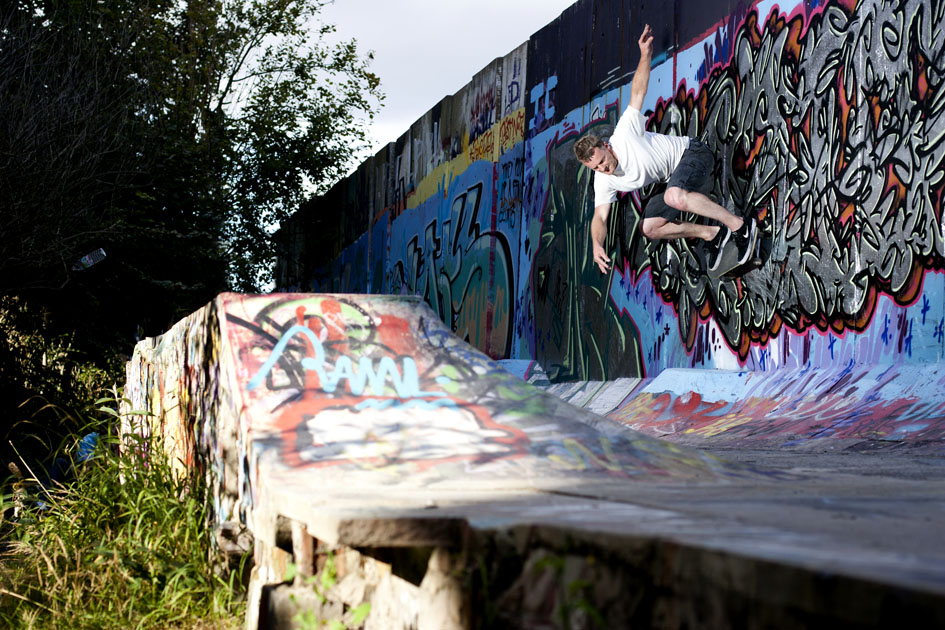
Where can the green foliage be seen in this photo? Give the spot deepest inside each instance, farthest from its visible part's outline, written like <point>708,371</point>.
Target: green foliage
<point>173,135</point>
<point>97,553</point>
<point>321,584</point>
<point>359,613</point>
<point>297,128</point>
<point>575,596</point>
<point>325,579</point>
<point>46,381</point>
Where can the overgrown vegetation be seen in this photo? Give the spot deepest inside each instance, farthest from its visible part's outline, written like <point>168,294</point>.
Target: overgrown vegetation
<point>47,382</point>
<point>321,584</point>
<point>93,552</point>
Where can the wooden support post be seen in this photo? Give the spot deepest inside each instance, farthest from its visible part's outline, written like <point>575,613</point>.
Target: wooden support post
<point>303,552</point>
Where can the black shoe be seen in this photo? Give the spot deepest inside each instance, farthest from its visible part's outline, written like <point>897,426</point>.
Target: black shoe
<point>705,252</point>
<point>716,247</point>
<point>715,243</point>
<point>744,240</point>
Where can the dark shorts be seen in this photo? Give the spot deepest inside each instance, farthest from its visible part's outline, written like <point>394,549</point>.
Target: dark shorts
<point>693,173</point>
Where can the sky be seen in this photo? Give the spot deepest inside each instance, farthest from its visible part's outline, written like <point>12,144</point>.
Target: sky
<point>425,50</point>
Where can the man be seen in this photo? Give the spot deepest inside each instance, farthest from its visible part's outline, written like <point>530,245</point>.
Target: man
<point>634,157</point>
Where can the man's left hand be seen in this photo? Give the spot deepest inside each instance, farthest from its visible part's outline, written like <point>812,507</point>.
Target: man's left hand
<point>646,42</point>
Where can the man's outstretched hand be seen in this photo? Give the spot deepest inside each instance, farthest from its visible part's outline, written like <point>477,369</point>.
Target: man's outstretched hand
<point>646,42</point>
<point>601,258</point>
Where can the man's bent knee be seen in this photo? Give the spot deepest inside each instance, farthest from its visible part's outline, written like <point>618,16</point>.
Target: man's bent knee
<point>652,227</point>
<point>676,197</point>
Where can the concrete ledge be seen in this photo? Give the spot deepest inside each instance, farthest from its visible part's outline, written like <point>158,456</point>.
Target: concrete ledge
<point>546,577</point>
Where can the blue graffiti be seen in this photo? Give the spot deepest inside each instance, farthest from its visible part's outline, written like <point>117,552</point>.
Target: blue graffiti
<point>514,87</point>
<point>763,358</point>
<point>406,384</point>
<point>542,97</point>
<point>907,346</point>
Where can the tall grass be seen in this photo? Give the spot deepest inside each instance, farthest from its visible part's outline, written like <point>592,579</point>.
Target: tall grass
<point>96,552</point>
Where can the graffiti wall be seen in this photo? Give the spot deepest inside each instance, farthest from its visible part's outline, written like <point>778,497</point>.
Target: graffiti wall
<point>827,120</point>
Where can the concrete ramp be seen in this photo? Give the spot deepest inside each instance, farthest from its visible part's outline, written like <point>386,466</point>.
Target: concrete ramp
<point>845,407</point>
<point>348,427</point>
<point>852,407</point>
<point>377,391</point>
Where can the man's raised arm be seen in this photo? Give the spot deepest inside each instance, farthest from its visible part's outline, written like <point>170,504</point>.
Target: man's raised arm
<point>641,78</point>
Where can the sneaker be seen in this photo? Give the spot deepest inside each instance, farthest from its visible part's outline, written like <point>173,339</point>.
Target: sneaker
<point>745,240</point>
<point>719,239</point>
<point>717,247</point>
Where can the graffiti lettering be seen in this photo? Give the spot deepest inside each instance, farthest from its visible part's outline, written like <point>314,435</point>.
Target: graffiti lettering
<point>512,129</point>
<point>514,92</point>
<point>513,80</point>
<point>405,383</point>
<point>833,131</point>
<point>510,191</point>
<point>542,97</point>
<point>482,114</point>
<point>483,147</point>
<point>464,274</point>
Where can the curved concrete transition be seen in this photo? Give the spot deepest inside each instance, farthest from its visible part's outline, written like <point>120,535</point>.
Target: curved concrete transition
<point>851,407</point>
<point>356,438</point>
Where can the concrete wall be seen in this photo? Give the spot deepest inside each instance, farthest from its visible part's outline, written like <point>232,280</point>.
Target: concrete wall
<point>825,117</point>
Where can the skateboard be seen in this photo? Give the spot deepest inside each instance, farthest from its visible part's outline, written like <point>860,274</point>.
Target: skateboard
<point>729,267</point>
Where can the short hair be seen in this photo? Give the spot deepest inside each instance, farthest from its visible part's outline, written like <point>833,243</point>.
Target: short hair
<point>584,148</point>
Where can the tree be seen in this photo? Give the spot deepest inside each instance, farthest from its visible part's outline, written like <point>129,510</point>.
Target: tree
<point>172,134</point>
<point>273,109</point>
<point>298,125</point>
<point>62,160</point>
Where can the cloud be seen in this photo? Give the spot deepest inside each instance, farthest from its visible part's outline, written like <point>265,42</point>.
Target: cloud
<point>425,51</point>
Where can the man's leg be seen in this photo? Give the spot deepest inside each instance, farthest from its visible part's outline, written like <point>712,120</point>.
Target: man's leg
<point>690,184</point>
<point>660,228</point>
<point>742,233</point>
<point>698,203</point>
<point>661,221</point>
<point>688,191</point>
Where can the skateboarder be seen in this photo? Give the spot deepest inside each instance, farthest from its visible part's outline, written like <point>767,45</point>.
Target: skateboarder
<point>634,157</point>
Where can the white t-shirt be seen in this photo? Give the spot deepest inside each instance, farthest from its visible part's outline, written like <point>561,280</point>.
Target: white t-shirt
<point>643,157</point>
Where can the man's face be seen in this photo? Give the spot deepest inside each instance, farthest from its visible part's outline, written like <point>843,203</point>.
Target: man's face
<point>602,160</point>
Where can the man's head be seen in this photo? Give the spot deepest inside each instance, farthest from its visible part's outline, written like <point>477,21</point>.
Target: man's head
<point>595,154</point>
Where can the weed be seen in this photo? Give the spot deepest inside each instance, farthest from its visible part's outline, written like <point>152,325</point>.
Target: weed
<point>93,552</point>
<point>321,584</point>
<point>574,598</point>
